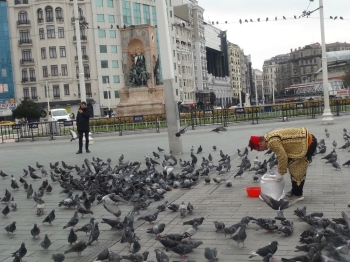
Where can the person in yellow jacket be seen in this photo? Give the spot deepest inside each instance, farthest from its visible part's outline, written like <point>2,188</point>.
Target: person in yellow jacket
<point>294,148</point>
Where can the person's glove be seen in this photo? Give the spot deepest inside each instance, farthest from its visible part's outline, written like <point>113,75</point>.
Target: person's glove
<point>279,177</point>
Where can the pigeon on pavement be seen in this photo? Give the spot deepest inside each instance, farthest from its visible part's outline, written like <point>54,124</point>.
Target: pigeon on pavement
<point>77,248</point>
<point>240,236</point>
<point>73,221</point>
<point>46,243</point>
<point>11,228</point>
<point>94,234</point>
<point>35,231</point>
<point>264,251</point>
<point>210,254</point>
<point>51,217</point>
<point>72,237</point>
<point>58,257</point>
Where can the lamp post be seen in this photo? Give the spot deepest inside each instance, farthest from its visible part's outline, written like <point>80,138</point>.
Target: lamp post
<point>240,95</point>
<point>327,117</point>
<point>48,98</point>
<point>108,98</point>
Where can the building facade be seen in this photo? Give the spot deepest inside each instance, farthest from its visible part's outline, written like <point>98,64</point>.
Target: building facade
<point>7,92</point>
<point>258,93</point>
<point>234,62</point>
<point>44,55</point>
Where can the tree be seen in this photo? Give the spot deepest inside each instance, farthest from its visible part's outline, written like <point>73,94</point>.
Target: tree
<point>346,80</point>
<point>26,110</point>
<point>212,98</point>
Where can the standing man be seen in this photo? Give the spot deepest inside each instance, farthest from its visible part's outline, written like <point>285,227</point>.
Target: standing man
<point>294,148</point>
<point>83,117</point>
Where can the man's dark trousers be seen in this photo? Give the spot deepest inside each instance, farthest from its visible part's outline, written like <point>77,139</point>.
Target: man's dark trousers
<point>81,134</point>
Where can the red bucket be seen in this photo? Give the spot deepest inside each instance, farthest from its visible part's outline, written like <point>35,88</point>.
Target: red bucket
<point>253,191</point>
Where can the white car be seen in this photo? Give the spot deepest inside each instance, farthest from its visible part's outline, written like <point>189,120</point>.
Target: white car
<point>59,114</point>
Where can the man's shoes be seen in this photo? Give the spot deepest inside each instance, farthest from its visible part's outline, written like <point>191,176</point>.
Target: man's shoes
<point>88,151</point>
<point>79,152</point>
<point>297,198</point>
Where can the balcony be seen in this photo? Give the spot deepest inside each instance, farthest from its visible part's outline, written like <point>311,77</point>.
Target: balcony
<point>49,19</point>
<point>83,38</point>
<point>32,79</point>
<point>25,42</point>
<point>84,57</point>
<point>81,18</point>
<point>59,19</point>
<point>87,75</point>
<point>88,95</point>
<point>40,20</point>
<point>24,79</point>
<point>35,98</point>
<point>56,97</point>
<point>23,23</point>
<point>27,61</point>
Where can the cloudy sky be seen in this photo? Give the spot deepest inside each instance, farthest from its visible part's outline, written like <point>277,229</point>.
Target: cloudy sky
<point>266,39</point>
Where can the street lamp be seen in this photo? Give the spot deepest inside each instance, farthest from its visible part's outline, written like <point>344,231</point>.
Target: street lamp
<point>108,98</point>
<point>327,117</point>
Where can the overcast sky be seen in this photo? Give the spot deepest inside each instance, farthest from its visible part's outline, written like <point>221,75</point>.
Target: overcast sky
<point>266,39</point>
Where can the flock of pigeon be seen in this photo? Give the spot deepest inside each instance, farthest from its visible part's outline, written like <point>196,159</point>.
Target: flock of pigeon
<point>127,183</point>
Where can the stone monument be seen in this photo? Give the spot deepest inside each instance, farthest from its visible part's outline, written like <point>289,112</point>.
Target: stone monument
<point>143,93</point>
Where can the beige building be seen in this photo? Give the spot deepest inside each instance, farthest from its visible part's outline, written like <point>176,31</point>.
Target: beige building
<point>258,86</point>
<point>234,63</point>
<point>43,43</point>
<point>183,34</point>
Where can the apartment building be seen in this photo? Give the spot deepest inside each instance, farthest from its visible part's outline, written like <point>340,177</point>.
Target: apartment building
<point>234,63</point>
<point>44,55</point>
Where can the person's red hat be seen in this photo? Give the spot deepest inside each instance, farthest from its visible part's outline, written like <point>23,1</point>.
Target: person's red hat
<point>254,142</point>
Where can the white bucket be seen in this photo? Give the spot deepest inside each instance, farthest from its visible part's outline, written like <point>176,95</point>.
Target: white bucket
<point>272,188</point>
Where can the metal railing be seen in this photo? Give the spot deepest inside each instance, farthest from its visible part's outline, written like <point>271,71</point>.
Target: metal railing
<point>25,41</point>
<point>193,118</point>
<point>27,60</point>
<point>23,22</point>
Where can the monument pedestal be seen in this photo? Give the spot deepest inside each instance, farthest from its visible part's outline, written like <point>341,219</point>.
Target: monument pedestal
<point>141,101</point>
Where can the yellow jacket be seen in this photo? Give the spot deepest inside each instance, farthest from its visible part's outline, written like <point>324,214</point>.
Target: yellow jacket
<point>287,143</point>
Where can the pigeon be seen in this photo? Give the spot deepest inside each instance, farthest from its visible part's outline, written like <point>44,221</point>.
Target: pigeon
<point>87,227</point>
<point>110,205</point>
<point>199,221</point>
<point>135,257</point>
<point>73,135</point>
<point>191,231</point>
<point>14,185</point>
<point>58,257</point>
<point>162,207</point>
<point>77,248</point>
<point>11,228</point>
<point>150,218</point>
<point>264,251</point>
<point>277,205</point>
<point>200,149</point>
<point>210,254</point>
<point>161,256</point>
<point>21,252</point>
<point>156,229</point>
<point>72,237</point>
<point>30,191</point>
<point>306,257</point>
<point>35,231</point>
<point>183,209</point>
<point>182,130</point>
<point>190,208</point>
<point>46,243</point>
<point>34,176</point>
<point>240,236</point>
<point>94,234</point>
<point>160,150</point>
<point>218,129</point>
<point>334,144</point>
<point>51,217</point>
<point>136,247</point>
<point>6,210</point>
<point>73,221</point>
<point>113,223</point>
<point>104,255</point>
<point>82,210</point>
<point>219,226</point>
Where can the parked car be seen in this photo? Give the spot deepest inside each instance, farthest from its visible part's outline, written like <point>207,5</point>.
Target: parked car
<point>7,123</point>
<point>59,114</point>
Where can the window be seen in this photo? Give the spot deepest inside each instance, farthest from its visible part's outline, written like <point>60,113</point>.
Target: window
<point>27,55</point>
<point>110,3</point>
<point>101,33</point>
<point>24,75</point>
<point>99,3</point>
<point>88,89</point>
<point>111,19</point>
<point>105,79</point>
<point>64,70</point>
<point>171,13</point>
<point>113,49</point>
<point>116,94</point>
<point>175,66</point>
<point>33,93</point>
<point>126,13</point>
<point>104,64</point>
<point>26,93</point>
<point>116,79</point>
<point>56,91</point>
<point>154,16</point>
<point>32,74</point>
<point>23,18</point>
<point>62,51</point>
<point>112,34</point>
<point>115,64</point>
<point>49,14</point>
<point>105,94</point>
<point>100,18</point>
<point>54,70</point>
<point>137,14</point>
<point>86,71</point>
<point>45,73</point>
<point>59,13</point>
<point>60,32</point>
<point>146,15</point>
<point>66,89</point>
<point>43,53</point>
<point>103,49</point>
<point>52,51</point>
<point>50,31</point>
<point>41,33</point>
<point>83,50</point>
<point>40,15</point>
<point>24,36</point>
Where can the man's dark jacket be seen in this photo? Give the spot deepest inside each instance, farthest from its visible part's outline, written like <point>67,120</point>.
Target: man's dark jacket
<point>83,120</point>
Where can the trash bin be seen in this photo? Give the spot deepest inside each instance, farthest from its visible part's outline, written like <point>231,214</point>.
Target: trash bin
<point>53,127</point>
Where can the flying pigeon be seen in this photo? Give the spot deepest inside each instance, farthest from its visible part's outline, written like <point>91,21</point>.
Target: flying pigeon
<point>182,130</point>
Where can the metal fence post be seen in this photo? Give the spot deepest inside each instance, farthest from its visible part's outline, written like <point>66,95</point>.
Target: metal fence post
<point>337,105</point>
<point>2,136</point>
<point>192,120</point>
<point>157,124</point>
<point>32,135</point>
<point>120,126</point>
<point>256,115</point>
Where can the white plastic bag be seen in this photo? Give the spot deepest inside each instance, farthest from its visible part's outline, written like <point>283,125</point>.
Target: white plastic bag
<point>272,188</point>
